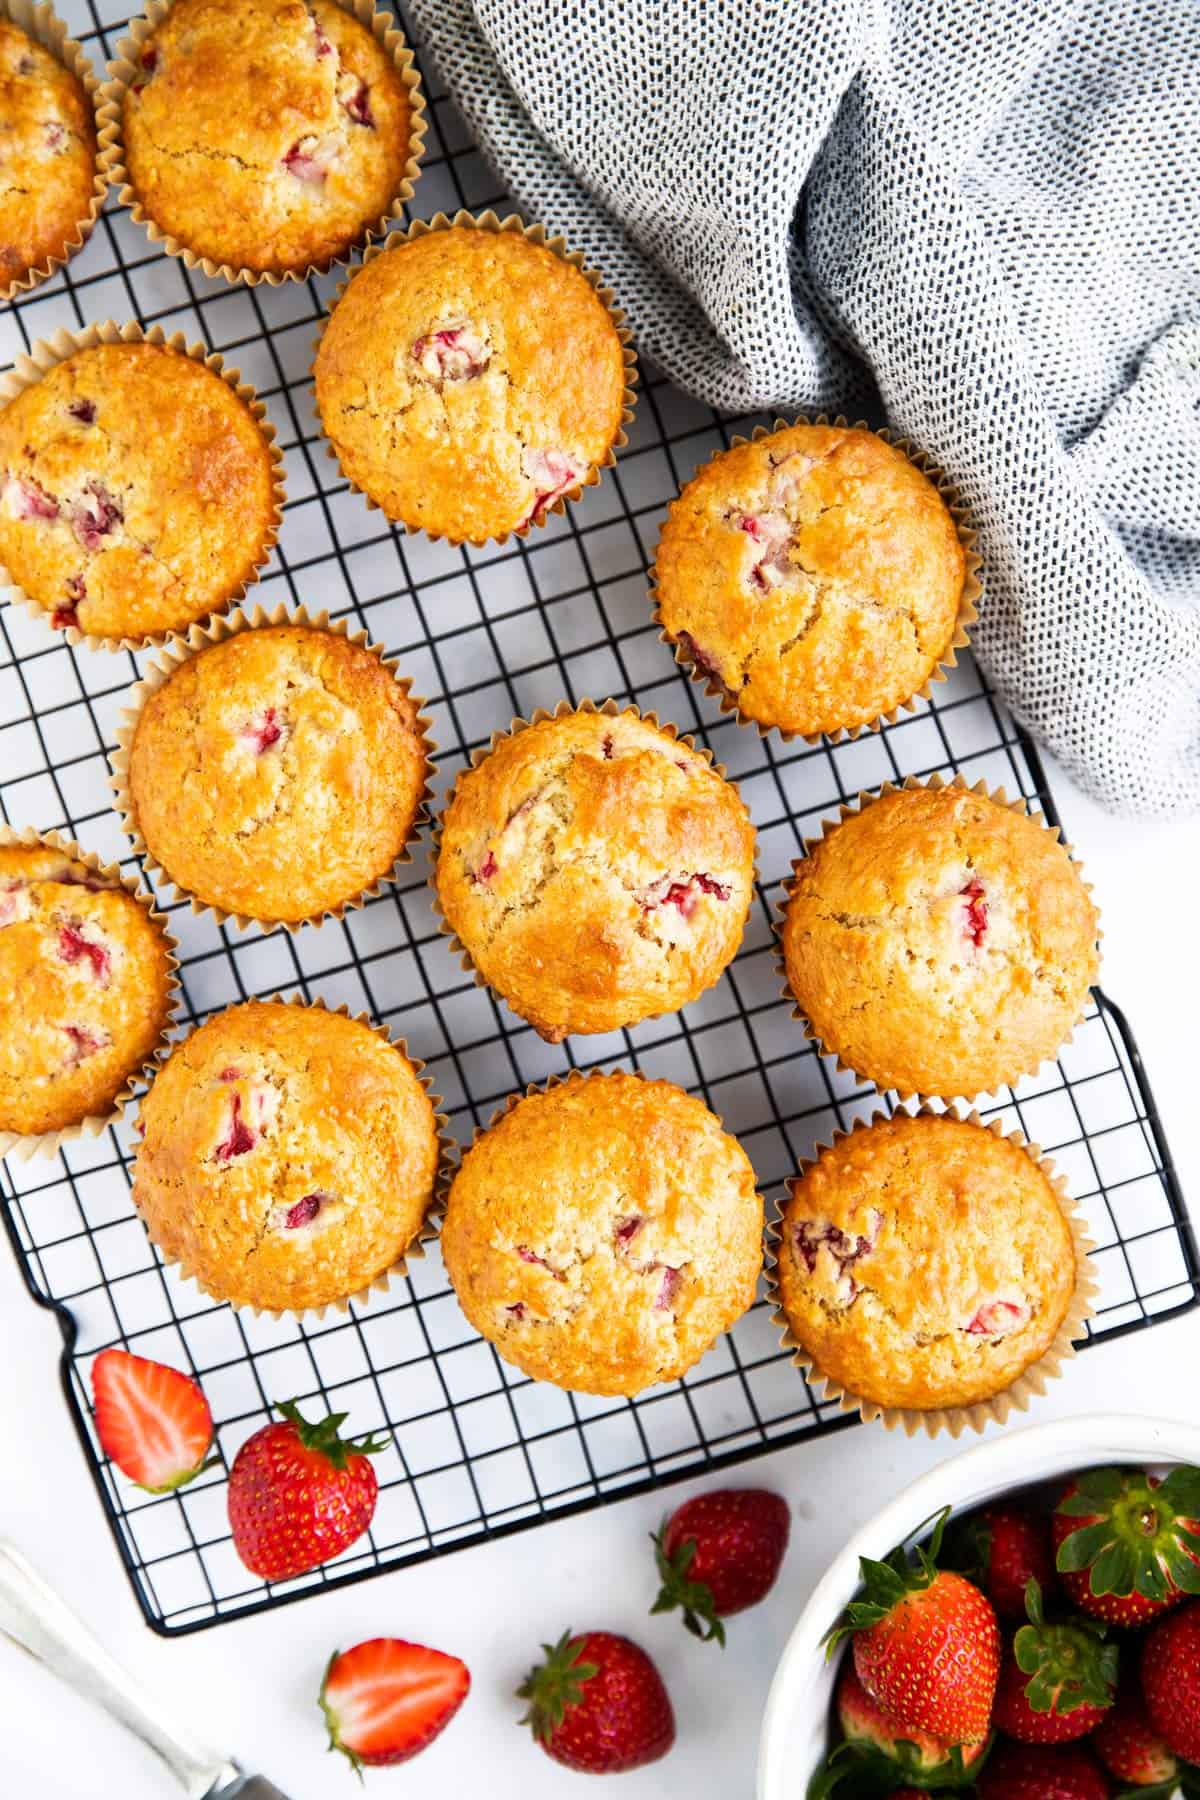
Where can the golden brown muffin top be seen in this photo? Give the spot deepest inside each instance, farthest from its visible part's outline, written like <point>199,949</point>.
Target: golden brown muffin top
<point>596,870</point>
<point>604,1233</point>
<point>266,134</point>
<point>84,989</point>
<point>47,155</point>
<point>469,378</point>
<point>940,942</point>
<point>289,1156</point>
<point>816,573</point>
<point>925,1262</point>
<point>135,490</point>
<point>279,773</point>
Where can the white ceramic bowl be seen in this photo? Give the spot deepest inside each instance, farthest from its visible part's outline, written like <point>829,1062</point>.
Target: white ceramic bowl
<point>795,1729</point>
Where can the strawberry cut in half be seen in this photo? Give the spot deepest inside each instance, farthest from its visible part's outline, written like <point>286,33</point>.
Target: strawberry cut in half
<point>719,1554</point>
<point>1128,1546</point>
<point>152,1421</point>
<point>597,1703</point>
<point>926,1642</point>
<point>387,1700</point>
<point>1057,1681</point>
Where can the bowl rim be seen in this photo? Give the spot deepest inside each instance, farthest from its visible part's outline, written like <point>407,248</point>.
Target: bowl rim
<point>1012,1460</point>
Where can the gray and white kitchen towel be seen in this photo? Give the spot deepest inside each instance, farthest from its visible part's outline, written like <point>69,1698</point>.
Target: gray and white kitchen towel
<point>978,219</point>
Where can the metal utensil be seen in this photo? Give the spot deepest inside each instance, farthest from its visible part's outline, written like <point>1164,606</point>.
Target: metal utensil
<point>34,1617</point>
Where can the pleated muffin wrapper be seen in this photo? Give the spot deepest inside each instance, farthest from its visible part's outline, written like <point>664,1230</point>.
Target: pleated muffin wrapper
<point>46,355</point>
<point>180,650</point>
<point>427,1231</point>
<point>968,605</point>
<point>125,67</point>
<point>48,1143</point>
<point>43,24</point>
<point>609,709</point>
<point>535,234</point>
<point>849,809</point>
<point>1028,1386</point>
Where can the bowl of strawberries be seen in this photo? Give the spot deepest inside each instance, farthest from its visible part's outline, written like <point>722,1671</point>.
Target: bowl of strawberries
<point>1022,1623</point>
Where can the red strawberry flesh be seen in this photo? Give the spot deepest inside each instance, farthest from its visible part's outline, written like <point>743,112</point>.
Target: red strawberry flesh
<point>386,1700</point>
<point>152,1421</point>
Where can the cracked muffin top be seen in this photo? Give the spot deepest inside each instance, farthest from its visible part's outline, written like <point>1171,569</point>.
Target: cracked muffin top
<point>816,574</point>
<point>596,870</point>
<point>940,943</point>
<point>47,155</point>
<point>136,491</point>
<point>925,1262</point>
<point>265,134</point>
<point>288,1156</point>
<point>84,989</point>
<point>603,1234</point>
<point>469,379</point>
<point>279,773</point>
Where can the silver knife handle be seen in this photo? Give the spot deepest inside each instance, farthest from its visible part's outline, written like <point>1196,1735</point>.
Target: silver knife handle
<point>32,1614</point>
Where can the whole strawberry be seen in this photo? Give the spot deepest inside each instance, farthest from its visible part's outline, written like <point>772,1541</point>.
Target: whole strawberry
<point>385,1700</point>
<point>1042,1772</point>
<point>926,1643</point>
<point>597,1703</point>
<point>299,1494</point>
<point>1003,1550</point>
<point>1128,1745</point>
<point>1056,1681</point>
<point>1128,1546</point>
<point>718,1554</point>
<point>865,1725</point>
<point>1171,1681</point>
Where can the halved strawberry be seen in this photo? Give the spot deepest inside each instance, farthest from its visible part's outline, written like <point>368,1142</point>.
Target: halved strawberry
<point>1127,1545</point>
<point>385,1700</point>
<point>152,1421</point>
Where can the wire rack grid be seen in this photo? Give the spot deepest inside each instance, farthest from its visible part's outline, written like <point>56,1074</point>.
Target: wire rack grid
<point>477,1450</point>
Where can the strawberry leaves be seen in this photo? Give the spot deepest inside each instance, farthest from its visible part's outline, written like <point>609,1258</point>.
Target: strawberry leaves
<point>323,1436</point>
<point>1069,1665</point>
<point>554,1685</point>
<point>886,1583</point>
<point>1135,1536</point>
<point>860,1772</point>
<point>694,1597</point>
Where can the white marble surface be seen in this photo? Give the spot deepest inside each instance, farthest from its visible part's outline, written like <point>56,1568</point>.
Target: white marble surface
<point>251,1686</point>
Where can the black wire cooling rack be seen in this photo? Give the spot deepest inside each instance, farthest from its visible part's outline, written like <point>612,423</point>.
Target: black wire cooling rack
<point>477,1450</point>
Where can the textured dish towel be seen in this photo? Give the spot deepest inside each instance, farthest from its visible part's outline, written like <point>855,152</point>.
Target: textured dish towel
<point>979,219</point>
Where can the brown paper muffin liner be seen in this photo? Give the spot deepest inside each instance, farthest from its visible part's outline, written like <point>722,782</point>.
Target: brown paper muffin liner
<point>846,810</point>
<point>43,24</point>
<point>536,234</point>
<point>179,650</point>
<point>968,606</point>
<point>124,67</point>
<point>611,709</point>
<point>46,354</point>
<point>428,1230</point>
<point>47,1143</point>
<point>1030,1384</point>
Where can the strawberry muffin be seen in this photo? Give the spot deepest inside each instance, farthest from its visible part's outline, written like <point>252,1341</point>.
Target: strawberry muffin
<point>940,942</point>
<point>596,870</point>
<point>816,575</point>
<point>603,1233</point>
<point>136,491</point>
<point>924,1263</point>
<point>47,158</point>
<point>85,989</point>
<point>268,136</point>
<point>469,380</point>
<point>288,1156</point>
<point>279,774</point>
